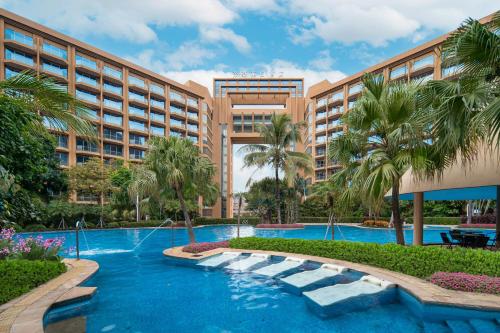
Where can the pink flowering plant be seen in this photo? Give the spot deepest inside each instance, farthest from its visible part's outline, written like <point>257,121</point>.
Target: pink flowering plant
<point>202,247</point>
<point>467,282</point>
<point>31,248</point>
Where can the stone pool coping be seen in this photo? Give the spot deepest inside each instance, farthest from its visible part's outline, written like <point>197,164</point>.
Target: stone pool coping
<point>25,314</point>
<point>422,290</point>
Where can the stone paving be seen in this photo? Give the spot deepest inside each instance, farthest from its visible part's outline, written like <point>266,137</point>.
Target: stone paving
<point>424,291</point>
<point>25,313</point>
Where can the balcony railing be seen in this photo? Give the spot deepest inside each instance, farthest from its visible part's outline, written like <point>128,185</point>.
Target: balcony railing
<point>18,36</point>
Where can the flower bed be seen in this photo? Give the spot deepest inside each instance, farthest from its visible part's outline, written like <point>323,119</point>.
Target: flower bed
<point>202,247</point>
<point>280,226</point>
<point>31,248</point>
<point>467,282</point>
<point>478,226</point>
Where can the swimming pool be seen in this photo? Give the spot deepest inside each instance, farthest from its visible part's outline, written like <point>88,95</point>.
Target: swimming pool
<point>142,291</point>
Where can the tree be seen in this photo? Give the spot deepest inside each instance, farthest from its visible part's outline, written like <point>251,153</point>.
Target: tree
<point>276,151</point>
<point>176,165</point>
<point>261,198</point>
<point>120,178</point>
<point>385,137</point>
<point>92,177</point>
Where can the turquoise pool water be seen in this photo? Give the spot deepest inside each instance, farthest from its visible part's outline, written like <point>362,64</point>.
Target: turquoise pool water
<point>142,291</point>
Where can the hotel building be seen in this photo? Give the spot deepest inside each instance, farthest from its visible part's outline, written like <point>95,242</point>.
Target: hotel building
<point>130,104</point>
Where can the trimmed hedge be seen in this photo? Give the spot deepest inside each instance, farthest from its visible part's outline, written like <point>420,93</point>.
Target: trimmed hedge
<point>19,276</point>
<point>437,220</point>
<point>419,261</point>
<point>222,221</point>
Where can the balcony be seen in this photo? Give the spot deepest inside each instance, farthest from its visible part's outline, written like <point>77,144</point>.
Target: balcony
<point>337,97</point>
<point>176,111</point>
<point>157,131</point>
<point>86,65</point>
<point>156,90</point>
<point>177,124</point>
<point>54,69</point>
<point>19,59</point>
<point>54,53</point>
<point>112,105</point>
<point>156,117</point>
<point>176,97</point>
<point>156,104</point>
<point>115,91</point>
<point>192,128</point>
<point>398,73</point>
<point>112,74</point>
<point>192,103</point>
<point>137,98</point>
<point>355,89</point>
<point>137,84</point>
<point>87,82</point>
<point>87,97</point>
<point>19,40</point>
<point>137,126</point>
<point>423,64</point>
<point>136,112</point>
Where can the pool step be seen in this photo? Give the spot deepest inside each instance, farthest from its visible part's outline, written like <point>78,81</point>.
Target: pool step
<point>436,327</point>
<point>220,260</point>
<point>349,297</point>
<point>247,263</point>
<point>460,326</point>
<point>279,268</point>
<point>298,282</point>
<point>484,325</point>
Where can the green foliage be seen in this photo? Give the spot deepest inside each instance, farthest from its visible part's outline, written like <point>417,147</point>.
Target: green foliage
<point>222,221</point>
<point>419,261</point>
<point>91,177</point>
<point>438,220</point>
<point>121,178</point>
<point>71,212</point>
<point>261,198</point>
<point>20,276</point>
<point>35,227</point>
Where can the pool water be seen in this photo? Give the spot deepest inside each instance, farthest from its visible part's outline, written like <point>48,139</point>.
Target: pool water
<point>143,291</point>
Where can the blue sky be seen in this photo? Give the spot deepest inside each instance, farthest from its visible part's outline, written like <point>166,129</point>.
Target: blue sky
<point>201,39</point>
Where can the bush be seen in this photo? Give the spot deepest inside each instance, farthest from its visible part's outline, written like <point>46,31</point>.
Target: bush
<point>202,247</point>
<point>419,261</point>
<point>437,220</point>
<point>20,276</point>
<point>280,226</point>
<point>35,227</point>
<point>222,221</point>
<point>112,225</point>
<point>376,223</point>
<point>481,219</point>
<point>467,282</point>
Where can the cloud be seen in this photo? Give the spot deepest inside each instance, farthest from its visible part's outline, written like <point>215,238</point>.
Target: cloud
<point>377,22</point>
<point>241,175</point>
<point>261,6</point>
<point>323,62</point>
<point>218,34</point>
<point>131,20</point>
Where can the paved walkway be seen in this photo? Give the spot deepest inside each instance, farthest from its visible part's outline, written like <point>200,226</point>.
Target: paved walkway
<point>25,313</point>
<point>424,291</point>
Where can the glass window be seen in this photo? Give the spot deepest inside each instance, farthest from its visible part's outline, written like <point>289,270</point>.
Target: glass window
<point>137,97</point>
<point>112,119</point>
<point>136,154</point>
<point>193,102</point>
<point>176,122</point>
<point>86,96</point>
<point>157,103</point>
<point>321,102</point>
<point>354,89</point>
<point>450,70</point>
<point>132,110</point>
<point>237,124</point>
<point>113,88</point>
<point>82,159</point>
<point>115,150</point>
<point>84,145</point>
<point>110,71</point>
<point>176,96</point>
<point>351,104</point>
<point>136,81</point>
<point>137,125</point>
<point>192,128</point>
<point>62,157</point>
<point>136,139</point>
<point>86,79</point>
<point>84,61</point>
<point>113,134</point>
<point>54,50</point>
<point>19,56</point>
<point>10,72</point>
<point>92,114</point>
<point>62,141</point>
<point>423,62</point>
<point>157,89</point>
<point>18,36</point>
<point>176,110</point>
<point>247,123</point>
<point>193,139</point>
<point>155,130</point>
<point>338,96</point>
<point>112,103</point>
<point>54,68</point>
<point>398,72</point>
<point>157,117</point>
<point>193,115</point>
<point>176,134</point>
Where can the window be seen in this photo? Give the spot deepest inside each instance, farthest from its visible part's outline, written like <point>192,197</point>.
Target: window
<point>62,157</point>
<point>113,88</point>
<point>351,104</point>
<point>450,70</point>
<point>336,134</point>
<point>10,72</point>
<point>19,56</point>
<point>320,127</point>
<point>320,151</point>
<point>111,103</point>
<point>86,62</point>
<point>136,154</point>
<point>423,62</point>
<point>110,71</point>
<point>137,97</point>
<point>136,139</point>
<point>338,96</point>
<point>62,141</point>
<point>354,89</point>
<point>176,134</point>
<point>193,102</point>
<point>54,50</point>
<point>398,72</point>
<point>84,145</point>
<point>176,110</point>
<point>92,114</point>
<point>157,117</point>
<point>112,119</point>
<point>155,130</point>
<point>82,159</point>
<point>115,150</point>
<point>113,134</point>
<point>192,115</point>
<point>176,122</point>
<point>193,139</point>
<point>157,103</point>
<point>321,139</point>
<point>83,78</point>
<point>157,89</point>
<point>174,95</point>
<point>136,81</point>
<point>192,128</point>
<point>320,175</point>
<point>237,124</point>
<point>321,115</point>
<point>135,111</point>
<point>86,96</point>
<point>320,163</point>
<point>18,36</point>
<point>137,125</point>
<point>54,68</point>
<point>335,123</point>
<point>321,102</point>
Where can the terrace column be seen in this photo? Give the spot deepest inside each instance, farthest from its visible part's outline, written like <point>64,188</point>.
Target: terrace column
<point>418,218</point>
<point>498,218</point>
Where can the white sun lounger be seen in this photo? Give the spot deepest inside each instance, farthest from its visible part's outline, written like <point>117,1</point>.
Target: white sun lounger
<point>217,261</point>
<point>281,267</point>
<point>354,296</point>
<point>249,262</point>
<point>297,282</point>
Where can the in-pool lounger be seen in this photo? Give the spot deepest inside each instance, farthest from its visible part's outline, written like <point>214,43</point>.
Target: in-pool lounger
<point>349,297</point>
<point>249,262</point>
<point>281,267</point>
<point>300,281</point>
<point>217,261</point>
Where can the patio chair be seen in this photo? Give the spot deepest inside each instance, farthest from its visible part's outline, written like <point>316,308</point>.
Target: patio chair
<point>446,240</point>
<point>480,242</point>
<point>457,236</point>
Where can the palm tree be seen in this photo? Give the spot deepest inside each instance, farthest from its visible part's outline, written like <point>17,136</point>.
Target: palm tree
<point>178,166</point>
<point>278,139</point>
<point>45,97</point>
<point>386,136</point>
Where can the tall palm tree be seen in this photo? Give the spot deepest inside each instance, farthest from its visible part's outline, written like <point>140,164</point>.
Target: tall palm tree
<point>277,151</point>
<point>45,97</point>
<point>178,165</point>
<point>386,136</point>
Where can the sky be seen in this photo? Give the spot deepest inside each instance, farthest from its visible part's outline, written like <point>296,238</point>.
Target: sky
<point>202,39</point>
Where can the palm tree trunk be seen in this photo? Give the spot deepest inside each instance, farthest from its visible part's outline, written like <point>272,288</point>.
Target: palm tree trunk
<point>186,216</point>
<point>278,196</point>
<point>398,224</point>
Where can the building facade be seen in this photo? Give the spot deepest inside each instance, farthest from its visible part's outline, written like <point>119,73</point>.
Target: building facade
<point>130,104</point>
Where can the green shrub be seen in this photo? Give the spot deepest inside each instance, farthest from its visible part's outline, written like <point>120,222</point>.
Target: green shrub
<point>437,220</point>
<point>112,225</point>
<point>35,227</point>
<point>221,221</point>
<point>419,261</point>
<point>345,219</point>
<point>143,224</point>
<point>20,276</point>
